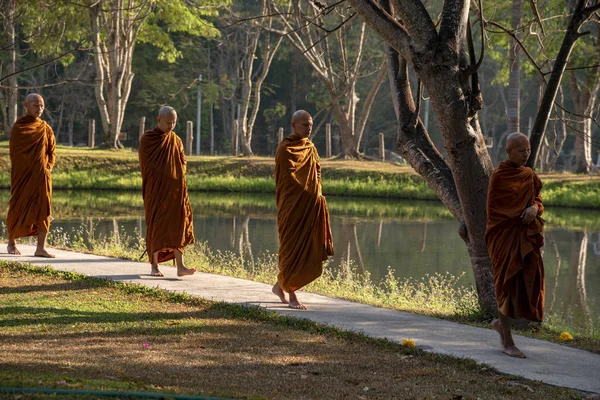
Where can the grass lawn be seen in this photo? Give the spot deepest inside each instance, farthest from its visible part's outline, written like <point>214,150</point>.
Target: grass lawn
<point>65,331</point>
<point>81,168</point>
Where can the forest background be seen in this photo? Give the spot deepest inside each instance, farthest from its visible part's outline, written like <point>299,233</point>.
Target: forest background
<point>52,47</point>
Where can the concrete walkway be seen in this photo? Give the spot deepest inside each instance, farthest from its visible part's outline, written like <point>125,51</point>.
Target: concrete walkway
<point>548,362</point>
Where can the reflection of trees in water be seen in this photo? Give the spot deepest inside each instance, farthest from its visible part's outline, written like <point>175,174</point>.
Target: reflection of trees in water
<point>241,240</point>
<point>348,234</point>
<point>245,247</point>
<point>550,241</point>
<point>576,299</point>
<point>423,236</point>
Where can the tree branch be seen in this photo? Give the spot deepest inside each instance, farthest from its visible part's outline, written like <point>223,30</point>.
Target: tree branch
<point>384,25</point>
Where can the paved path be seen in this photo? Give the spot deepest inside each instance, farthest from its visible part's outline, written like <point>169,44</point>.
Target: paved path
<point>547,362</point>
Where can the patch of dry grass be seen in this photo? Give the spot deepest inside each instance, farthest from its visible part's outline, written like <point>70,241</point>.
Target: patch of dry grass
<point>62,330</point>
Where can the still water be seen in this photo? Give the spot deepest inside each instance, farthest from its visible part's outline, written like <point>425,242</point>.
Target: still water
<point>413,238</point>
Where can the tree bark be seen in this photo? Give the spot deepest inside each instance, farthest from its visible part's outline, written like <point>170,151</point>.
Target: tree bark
<point>514,85</point>
<point>12,93</point>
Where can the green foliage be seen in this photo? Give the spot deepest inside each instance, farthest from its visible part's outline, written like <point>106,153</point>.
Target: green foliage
<point>180,16</point>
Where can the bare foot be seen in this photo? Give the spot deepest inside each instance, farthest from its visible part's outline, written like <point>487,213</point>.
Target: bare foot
<point>279,293</point>
<point>513,352</point>
<point>498,328</point>
<point>155,271</point>
<point>295,303</point>
<point>182,270</point>
<point>43,253</point>
<point>12,249</point>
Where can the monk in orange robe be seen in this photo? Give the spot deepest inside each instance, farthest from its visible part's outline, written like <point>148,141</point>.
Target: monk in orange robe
<point>302,214</point>
<point>169,224</point>
<point>514,237</point>
<point>32,156</point>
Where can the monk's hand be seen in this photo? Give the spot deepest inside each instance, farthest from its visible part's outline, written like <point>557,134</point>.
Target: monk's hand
<point>529,214</point>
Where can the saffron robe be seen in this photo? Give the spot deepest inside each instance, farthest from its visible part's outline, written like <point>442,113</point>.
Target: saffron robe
<point>32,150</point>
<point>514,248</point>
<point>302,216</point>
<point>169,218</point>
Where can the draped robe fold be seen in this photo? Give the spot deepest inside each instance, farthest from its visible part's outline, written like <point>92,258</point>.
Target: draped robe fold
<point>514,248</point>
<point>32,156</point>
<point>169,223</point>
<point>302,215</point>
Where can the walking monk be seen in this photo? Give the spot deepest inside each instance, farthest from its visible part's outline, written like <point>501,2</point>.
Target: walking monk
<point>32,156</point>
<point>514,238</point>
<point>302,214</point>
<point>169,225</point>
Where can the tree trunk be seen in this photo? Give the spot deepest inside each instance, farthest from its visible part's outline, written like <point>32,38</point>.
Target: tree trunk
<point>12,93</point>
<point>70,128</point>
<point>514,88</point>
<point>247,68</point>
<point>60,117</point>
<point>471,168</point>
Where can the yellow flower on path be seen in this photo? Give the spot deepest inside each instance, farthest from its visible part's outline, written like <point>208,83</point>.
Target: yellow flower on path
<point>408,343</point>
<point>566,336</point>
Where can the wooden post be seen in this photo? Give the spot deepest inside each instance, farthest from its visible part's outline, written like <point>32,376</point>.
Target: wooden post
<point>381,147</point>
<point>212,128</point>
<point>189,132</point>
<point>328,141</point>
<point>234,139</point>
<point>142,127</point>
<point>91,133</point>
<point>279,135</point>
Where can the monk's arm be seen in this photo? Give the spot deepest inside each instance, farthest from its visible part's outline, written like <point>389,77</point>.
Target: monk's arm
<point>182,158</point>
<point>51,150</point>
<point>140,152</point>
<point>538,197</point>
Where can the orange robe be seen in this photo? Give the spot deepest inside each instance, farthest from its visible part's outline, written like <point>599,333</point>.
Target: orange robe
<point>169,223</point>
<point>514,248</point>
<point>302,215</point>
<point>32,157</point>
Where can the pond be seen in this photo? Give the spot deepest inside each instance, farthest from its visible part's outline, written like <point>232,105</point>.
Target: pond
<point>412,238</point>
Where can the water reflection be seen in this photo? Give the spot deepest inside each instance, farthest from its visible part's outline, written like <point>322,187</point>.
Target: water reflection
<point>413,238</point>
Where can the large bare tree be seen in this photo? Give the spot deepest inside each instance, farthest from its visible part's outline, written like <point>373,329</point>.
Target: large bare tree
<point>440,56</point>
<point>262,42</point>
<point>115,27</point>
<point>336,48</point>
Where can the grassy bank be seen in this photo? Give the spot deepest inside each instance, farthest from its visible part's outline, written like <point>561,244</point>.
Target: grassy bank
<point>119,170</point>
<point>66,331</point>
<point>440,295</point>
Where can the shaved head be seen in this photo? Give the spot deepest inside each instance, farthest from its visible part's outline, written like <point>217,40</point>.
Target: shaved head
<point>302,123</point>
<point>518,148</point>
<point>166,111</point>
<point>34,105</point>
<point>167,119</point>
<point>514,138</point>
<point>33,96</point>
<point>300,114</point>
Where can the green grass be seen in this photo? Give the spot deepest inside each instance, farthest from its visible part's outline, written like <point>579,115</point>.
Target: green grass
<point>119,170</point>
